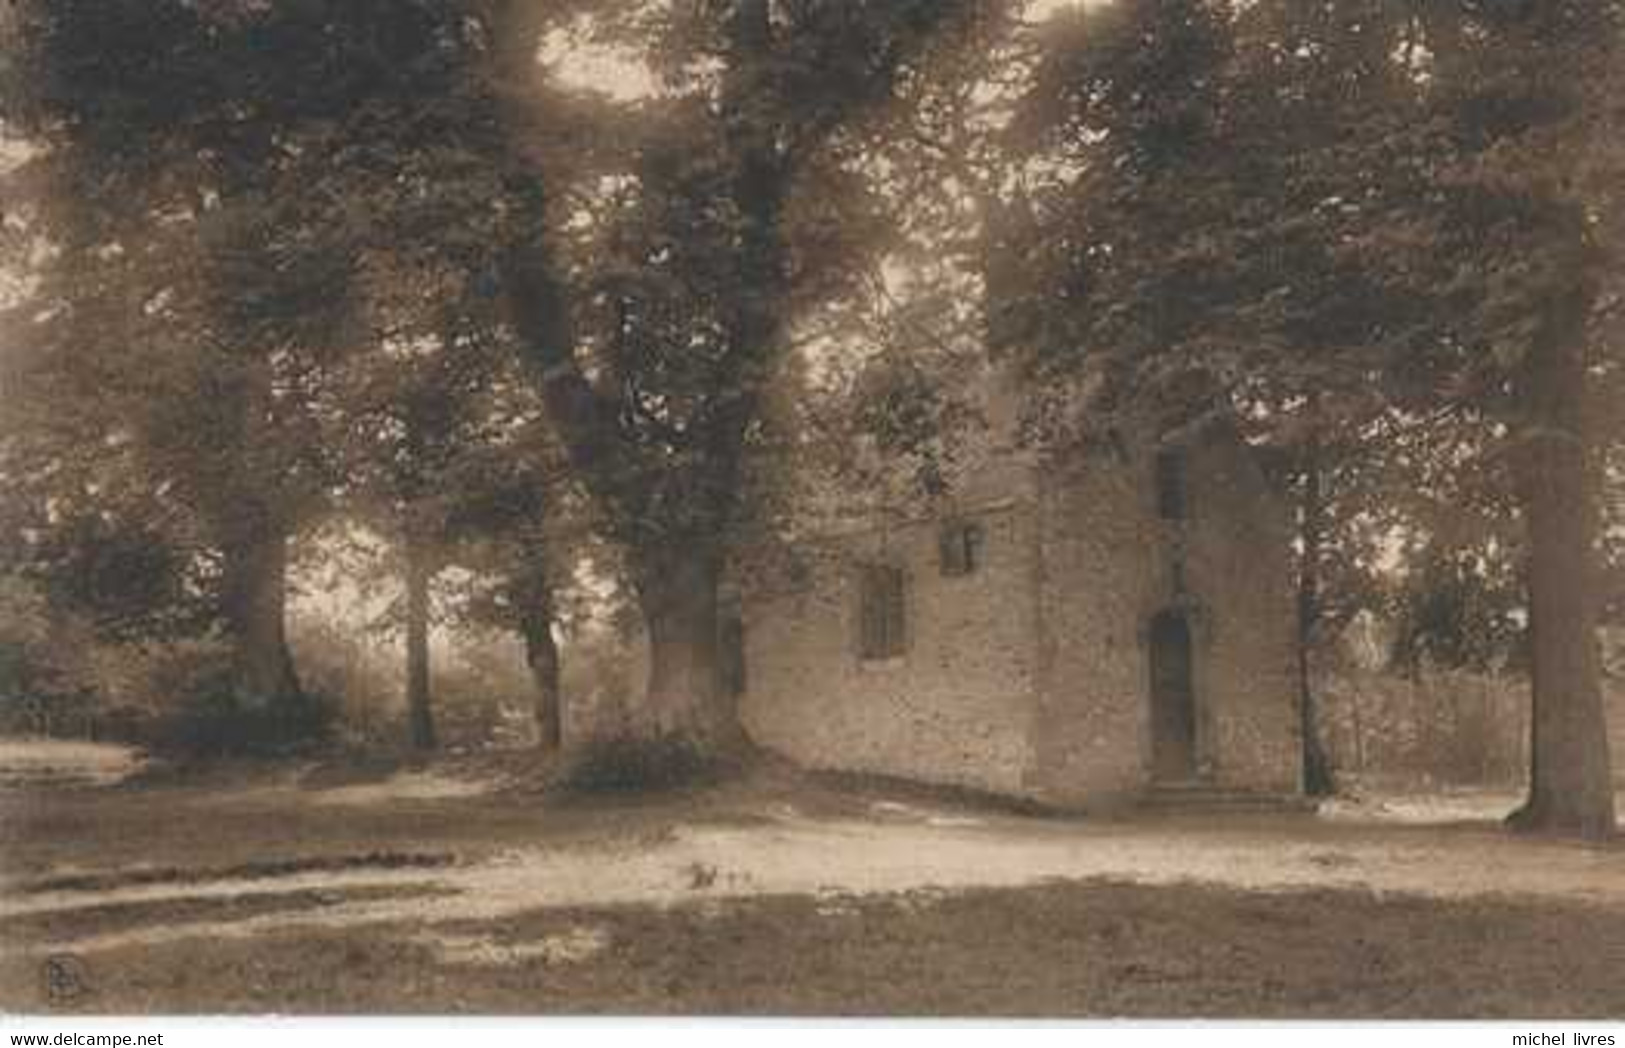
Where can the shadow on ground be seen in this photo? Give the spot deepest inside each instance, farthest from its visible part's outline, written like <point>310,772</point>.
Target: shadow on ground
<point>462,887</point>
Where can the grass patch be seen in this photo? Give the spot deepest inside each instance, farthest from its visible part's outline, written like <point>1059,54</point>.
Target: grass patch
<point>57,926</point>
<point>376,860</point>
<point>1096,949</point>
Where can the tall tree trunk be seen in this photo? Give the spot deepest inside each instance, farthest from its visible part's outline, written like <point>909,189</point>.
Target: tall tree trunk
<point>542,656</point>
<point>1317,775</point>
<point>419,709</point>
<point>685,697</point>
<point>1570,784</point>
<point>677,585</point>
<point>1570,788</point>
<point>530,590</point>
<point>254,609</point>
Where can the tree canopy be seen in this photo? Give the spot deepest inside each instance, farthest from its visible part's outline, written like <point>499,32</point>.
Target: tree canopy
<point>272,264</point>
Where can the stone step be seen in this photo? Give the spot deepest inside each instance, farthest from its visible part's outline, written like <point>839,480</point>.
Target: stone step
<point>1193,798</point>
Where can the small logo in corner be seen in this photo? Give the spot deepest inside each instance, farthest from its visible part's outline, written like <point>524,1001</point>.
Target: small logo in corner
<point>65,976</point>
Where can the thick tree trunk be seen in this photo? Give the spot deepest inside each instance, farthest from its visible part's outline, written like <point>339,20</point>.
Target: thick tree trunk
<point>685,698</point>
<point>1317,774</point>
<point>1570,784</point>
<point>254,609</point>
<point>419,698</point>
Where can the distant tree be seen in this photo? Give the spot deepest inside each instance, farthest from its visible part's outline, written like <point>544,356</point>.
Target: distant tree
<point>418,422</point>
<point>44,664</point>
<point>409,410</point>
<point>214,179</point>
<point>518,530</point>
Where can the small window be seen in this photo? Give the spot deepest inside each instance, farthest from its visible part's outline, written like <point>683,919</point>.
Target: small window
<point>881,610</point>
<point>959,547</point>
<point>1171,502</point>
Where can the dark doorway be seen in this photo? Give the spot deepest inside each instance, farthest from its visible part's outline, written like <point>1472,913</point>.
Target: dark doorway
<point>1173,699</point>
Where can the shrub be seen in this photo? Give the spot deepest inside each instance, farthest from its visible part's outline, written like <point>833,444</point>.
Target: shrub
<point>47,683</point>
<point>1445,726</point>
<point>365,683</point>
<point>627,764</point>
<point>196,711</point>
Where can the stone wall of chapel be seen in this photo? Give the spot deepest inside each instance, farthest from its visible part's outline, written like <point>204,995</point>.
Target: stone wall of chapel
<point>1030,676</point>
<point>1110,563</point>
<point>1238,565</point>
<point>955,708</point>
<point>1099,584</point>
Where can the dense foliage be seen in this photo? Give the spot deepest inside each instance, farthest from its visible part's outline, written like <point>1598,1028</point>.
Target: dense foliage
<point>283,270</point>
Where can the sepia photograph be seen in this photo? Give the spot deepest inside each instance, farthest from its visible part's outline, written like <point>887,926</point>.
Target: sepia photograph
<point>1100,511</point>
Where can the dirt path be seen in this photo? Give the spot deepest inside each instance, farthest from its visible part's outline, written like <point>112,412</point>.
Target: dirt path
<point>893,847</point>
<point>59,762</point>
<point>450,888</point>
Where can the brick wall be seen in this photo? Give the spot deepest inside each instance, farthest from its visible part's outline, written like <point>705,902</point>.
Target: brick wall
<point>955,708</point>
<point>1109,565</point>
<point>1098,579</point>
<point>1240,571</point>
<point>1030,676</point>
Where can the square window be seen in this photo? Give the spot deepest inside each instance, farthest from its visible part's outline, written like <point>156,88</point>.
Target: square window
<point>959,547</point>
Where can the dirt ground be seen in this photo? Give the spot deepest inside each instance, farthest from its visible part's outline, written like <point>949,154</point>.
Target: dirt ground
<point>463,888</point>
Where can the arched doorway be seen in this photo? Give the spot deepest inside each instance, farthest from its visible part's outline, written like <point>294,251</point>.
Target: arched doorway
<point>1173,698</point>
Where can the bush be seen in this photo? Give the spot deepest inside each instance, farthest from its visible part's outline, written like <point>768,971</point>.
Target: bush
<point>630,765</point>
<point>196,711</point>
<point>366,683</point>
<point>213,723</point>
<point>47,683</point>
<point>1444,727</point>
